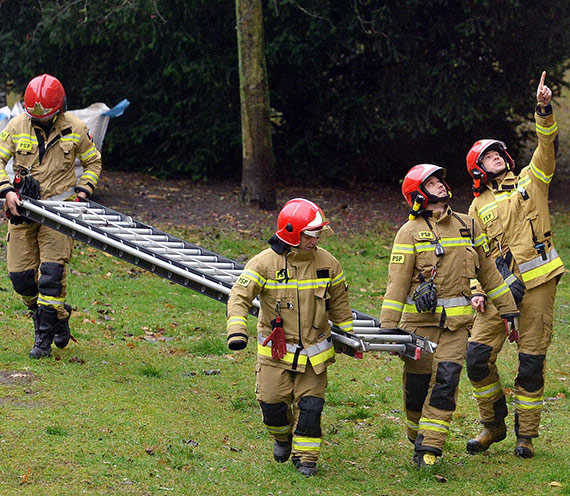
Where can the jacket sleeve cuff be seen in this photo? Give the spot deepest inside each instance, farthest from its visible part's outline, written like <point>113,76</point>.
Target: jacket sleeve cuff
<point>83,190</point>
<point>544,111</point>
<point>4,192</point>
<point>237,340</point>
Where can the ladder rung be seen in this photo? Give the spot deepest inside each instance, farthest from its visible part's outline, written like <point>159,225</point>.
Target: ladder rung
<point>365,323</point>
<point>100,218</point>
<point>195,252</point>
<point>70,209</point>
<point>208,270</point>
<point>103,223</point>
<point>155,238</point>
<point>135,230</point>
<point>165,245</point>
<point>218,265</point>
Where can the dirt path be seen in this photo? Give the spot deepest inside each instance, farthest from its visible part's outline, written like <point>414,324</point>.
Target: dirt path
<point>195,205</point>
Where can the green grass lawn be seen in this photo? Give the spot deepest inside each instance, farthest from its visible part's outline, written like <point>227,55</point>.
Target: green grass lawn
<point>149,401</point>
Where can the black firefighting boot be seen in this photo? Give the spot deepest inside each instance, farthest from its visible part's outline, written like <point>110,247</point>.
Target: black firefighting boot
<point>491,433</point>
<point>282,450</point>
<point>524,447</point>
<point>63,333</point>
<point>308,469</point>
<point>46,323</point>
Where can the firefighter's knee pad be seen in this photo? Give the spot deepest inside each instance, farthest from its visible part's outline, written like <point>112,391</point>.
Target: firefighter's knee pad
<point>477,361</point>
<point>531,372</point>
<point>310,410</point>
<point>274,414</point>
<point>24,283</point>
<point>446,382</point>
<point>50,283</point>
<point>416,388</point>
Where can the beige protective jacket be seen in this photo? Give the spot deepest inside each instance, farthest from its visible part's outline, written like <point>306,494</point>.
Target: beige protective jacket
<point>310,287</point>
<point>414,253</point>
<point>514,214</point>
<point>55,170</point>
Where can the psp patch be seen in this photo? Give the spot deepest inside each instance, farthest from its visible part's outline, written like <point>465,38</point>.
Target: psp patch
<point>488,217</point>
<point>425,235</point>
<point>243,281</point>
<point>4,135</point>
<point>25,146</point>
<point>397,259</point>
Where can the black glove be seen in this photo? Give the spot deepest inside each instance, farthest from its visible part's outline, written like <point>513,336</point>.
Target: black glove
<point>15,219</point>
<point>513,282</point>
<point>30,187</point>
<point>425,296</point>
<point>511,326</point>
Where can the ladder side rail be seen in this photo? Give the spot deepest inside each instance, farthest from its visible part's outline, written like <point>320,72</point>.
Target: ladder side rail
<point>138,256</point>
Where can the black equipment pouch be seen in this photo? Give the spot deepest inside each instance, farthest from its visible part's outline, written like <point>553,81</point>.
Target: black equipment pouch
<point>425,296</point>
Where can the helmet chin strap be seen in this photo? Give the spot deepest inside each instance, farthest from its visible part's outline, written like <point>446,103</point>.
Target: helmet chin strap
<point>438,199</point>
<point>494,175</point>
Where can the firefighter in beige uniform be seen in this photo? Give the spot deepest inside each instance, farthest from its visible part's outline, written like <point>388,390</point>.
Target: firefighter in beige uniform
<point>300,287</point>
<point>435,254</point>
<point>512,211</point>
<point>44,142</point>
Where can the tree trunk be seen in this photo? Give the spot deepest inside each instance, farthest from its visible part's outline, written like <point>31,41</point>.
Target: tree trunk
<point>258,162</point>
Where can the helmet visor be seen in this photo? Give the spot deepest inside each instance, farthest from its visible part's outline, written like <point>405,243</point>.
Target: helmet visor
<point>319,231</point>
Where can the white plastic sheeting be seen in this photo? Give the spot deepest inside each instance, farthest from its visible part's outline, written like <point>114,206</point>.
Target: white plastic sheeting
<point>96,117</point>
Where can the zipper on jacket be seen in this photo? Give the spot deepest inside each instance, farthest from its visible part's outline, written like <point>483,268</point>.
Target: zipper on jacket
<point>300,345</point>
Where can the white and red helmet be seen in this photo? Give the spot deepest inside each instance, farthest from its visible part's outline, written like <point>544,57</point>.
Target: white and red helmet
<point>44,97</point>
<point>297,216</point>
<point>475,155</point>
<point>413,185</point>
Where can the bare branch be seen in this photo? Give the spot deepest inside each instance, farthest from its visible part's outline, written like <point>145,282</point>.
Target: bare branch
<point>158,14</point>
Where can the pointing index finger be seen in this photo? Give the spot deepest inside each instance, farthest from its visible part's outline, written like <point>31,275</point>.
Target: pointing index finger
<point>542,78</point>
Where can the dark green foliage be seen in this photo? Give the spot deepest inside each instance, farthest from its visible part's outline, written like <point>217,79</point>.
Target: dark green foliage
<point>371,88</point>
<point>366,88</point>
<point>176,61</point>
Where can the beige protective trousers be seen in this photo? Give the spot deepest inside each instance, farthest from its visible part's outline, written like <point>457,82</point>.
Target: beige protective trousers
<point>430,387</point>
<point>37,256</point>
<point>487,339</point>
<point>292,404</point>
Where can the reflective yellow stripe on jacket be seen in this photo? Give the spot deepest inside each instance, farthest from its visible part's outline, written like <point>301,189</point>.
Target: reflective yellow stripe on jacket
<point>453,306</point>
<point>445,242</point>
<point>538,266</point>
<point>318,353</point>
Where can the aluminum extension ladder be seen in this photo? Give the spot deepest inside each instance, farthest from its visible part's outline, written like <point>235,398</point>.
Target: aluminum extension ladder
<point>193,266</point>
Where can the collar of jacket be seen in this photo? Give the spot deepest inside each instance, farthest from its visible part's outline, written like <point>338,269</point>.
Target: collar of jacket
<point>509,181</point>
<point>59,124</point>
<point>429,214</point>
<point>277,245</point>
<point>297,255</point>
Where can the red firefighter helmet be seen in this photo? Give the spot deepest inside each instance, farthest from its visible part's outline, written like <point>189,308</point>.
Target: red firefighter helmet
<point>299,215</point>
<point>475,158</point>
<point>44,97</point>
<point>413,184</point>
